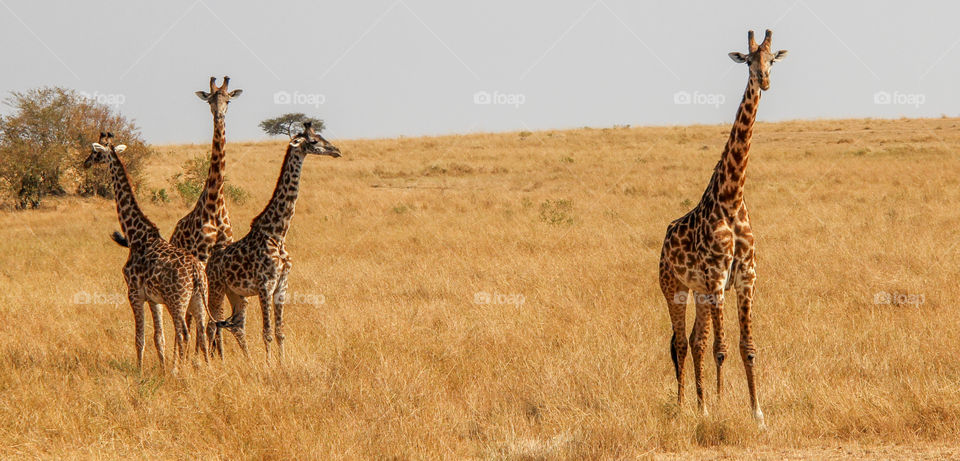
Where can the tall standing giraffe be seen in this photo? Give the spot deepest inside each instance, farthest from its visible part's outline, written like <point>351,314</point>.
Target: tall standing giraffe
<point>258,264</point>
<point>711,248</point>
<point>208,223</point>
<point>156,272</point>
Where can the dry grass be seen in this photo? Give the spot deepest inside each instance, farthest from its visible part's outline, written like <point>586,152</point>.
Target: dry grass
<point>401,362</point>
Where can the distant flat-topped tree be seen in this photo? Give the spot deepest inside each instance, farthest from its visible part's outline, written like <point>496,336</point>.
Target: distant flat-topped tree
<point>289,124</point>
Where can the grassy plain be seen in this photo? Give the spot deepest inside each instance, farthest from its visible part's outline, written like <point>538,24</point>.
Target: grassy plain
<point>390,354</point>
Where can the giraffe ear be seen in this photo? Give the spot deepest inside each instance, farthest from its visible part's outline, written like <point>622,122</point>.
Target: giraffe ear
<point>738,57</point>
<point>97,147</point>
<point>119,149</point>
<point>295,142</point>
<point>780,55</point>
<point>236,93</point>
<point>202,95</point>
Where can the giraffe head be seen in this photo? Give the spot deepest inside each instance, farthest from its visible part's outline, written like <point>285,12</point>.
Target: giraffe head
<point>310,142</point>
<point>218,98</point>
<point>100,150</point>
<point>759,58</point>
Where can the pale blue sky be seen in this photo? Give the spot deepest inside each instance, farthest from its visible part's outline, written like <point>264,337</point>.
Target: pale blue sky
<point>386,68</point>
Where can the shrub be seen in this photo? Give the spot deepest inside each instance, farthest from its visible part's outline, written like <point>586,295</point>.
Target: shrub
<point>45,140</point>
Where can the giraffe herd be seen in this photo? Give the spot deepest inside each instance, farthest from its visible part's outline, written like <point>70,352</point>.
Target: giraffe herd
<point>705,252</point>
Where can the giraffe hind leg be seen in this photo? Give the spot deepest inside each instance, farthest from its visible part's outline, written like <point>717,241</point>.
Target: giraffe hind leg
<point>676,296</point>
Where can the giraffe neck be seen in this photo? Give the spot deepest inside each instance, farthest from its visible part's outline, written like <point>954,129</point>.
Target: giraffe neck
<point>274,220</point>
<point>213,196</point>
<point>136,227</point>
<point>730,172</point>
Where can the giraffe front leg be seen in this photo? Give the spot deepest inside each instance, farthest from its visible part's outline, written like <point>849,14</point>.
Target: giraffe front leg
<point>748,350</point>
<point>136,303</point>
<point>265,304</point>
<point>158,340</point>
<point>715,304</point>
<point>698,345</point>
<point>279,300</point>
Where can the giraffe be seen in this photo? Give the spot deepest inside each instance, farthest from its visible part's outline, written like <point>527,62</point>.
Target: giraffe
<point>258,264</point>
<point>711,248</point>
<point>208,223</point>
<point>156,272</point>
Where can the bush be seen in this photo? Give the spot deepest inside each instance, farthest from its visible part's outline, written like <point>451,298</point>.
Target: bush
<point>190,183</point>
<point>45,140</point>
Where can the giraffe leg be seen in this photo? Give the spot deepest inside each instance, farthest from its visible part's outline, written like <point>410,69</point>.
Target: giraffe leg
<point>180,326</point>
<point>748,350</point>
<point>136,303</point>
<point>239,321</point>
<point>676,296</point>
<point>265,301</point>
<point>158,340</point>
<point>215,307</point>
<point>198,306</point>
<point>278,301</point>
<point>715,302</point>
<point>698,345</point>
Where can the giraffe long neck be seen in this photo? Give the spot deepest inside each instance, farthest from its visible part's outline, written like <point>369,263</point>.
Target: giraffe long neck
<point>274,220</point>
<point>214,186</point>
<point>137,228</point>
<point>730,172</point>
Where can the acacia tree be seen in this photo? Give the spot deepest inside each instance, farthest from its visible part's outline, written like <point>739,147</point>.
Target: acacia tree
<point>44,141</point>
<point>289,124</point>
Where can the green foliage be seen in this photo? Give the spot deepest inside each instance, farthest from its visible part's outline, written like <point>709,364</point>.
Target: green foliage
<point>159,196</point>
<point>190,183</point>
<point>289,124</point>
<point>235,194</point>
<point>45,140</point>
<point>557,212</point>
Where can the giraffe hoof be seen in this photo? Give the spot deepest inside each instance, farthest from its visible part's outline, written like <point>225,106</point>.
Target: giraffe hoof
<point>758,416</point>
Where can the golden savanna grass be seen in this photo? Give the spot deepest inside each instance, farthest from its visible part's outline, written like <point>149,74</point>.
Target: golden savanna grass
<point>399,236</point>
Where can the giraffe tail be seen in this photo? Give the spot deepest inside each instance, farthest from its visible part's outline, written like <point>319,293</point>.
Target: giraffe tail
<point>120,239</point>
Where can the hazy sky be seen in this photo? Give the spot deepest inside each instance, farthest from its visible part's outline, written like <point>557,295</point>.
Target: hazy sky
<point>384,68</point>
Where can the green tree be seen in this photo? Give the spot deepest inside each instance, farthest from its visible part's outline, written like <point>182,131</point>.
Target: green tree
<point>44,141</point>
<point>289,124</point>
